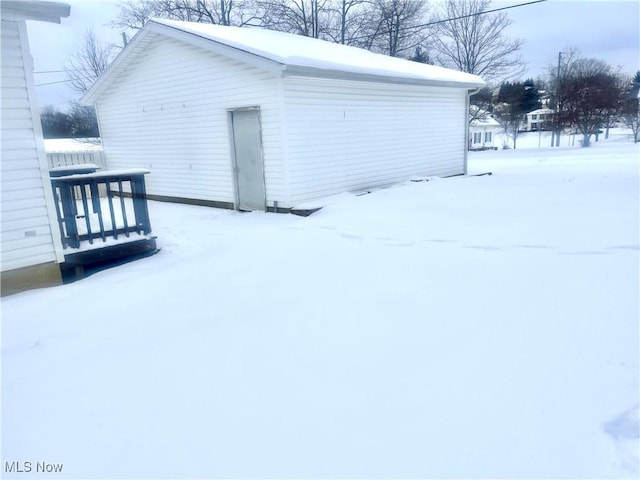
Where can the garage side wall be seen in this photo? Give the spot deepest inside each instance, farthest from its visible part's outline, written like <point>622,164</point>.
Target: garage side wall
<point>345,135</point>
<point>168,113</point>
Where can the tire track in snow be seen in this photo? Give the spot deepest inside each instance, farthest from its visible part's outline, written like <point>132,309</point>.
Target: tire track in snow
<point>404,242</point>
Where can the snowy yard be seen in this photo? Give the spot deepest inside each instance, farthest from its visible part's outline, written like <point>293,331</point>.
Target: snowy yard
<point>479,327</point>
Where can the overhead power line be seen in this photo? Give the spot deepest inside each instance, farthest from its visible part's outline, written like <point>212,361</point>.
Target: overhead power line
<point>66,70</point>
<point>51,83</point>
<point>478,13</point>
<point>435,22</point>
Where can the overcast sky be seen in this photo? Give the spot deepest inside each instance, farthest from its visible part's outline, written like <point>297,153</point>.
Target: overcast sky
<point>607,30</point>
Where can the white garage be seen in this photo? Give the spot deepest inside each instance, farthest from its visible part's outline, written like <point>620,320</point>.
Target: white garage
<point>254,119</point>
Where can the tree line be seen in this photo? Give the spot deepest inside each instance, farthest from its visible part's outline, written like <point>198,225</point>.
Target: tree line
<point>458,34</point>
<point>468,40</point>
<point>466,35</point>
<point>78,122</point>
<point>583,95</point>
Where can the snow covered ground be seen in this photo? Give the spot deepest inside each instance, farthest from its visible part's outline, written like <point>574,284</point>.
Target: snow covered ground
<point>542,139</point>
<point>72,145</point>
<point>478,327</point>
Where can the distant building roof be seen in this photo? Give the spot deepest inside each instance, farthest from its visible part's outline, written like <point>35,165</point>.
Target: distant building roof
<point>540,111</point>
<point>485,121</point>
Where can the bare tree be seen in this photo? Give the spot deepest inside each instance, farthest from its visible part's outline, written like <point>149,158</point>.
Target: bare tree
<point>481,104</point>
<point>630,111</point>
<point>135,13</point>
<point>350,16</point>
<point>511,122</point>
<point>394,27</point>
<point>589,96</point>
<point>348,21</point>
<point>309,18</point>
<point>557,77</point>
<point>87,63</point>
<point>512,105</point>
<point>474,41</point>
<point>399,26</point>
<point>78,122</point>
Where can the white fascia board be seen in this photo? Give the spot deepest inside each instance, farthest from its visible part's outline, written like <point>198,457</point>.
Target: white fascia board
<point>34,10</point>
<point>304,71</point>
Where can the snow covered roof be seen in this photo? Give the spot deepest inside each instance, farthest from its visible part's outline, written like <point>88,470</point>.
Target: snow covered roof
<point>34,10</point>
<point>290,55</point>
<point>485,121</point>
<point>540,111</point>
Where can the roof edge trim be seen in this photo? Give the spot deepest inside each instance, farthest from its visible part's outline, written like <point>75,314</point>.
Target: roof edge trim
<point>303,71</point>
<point>53,12</point>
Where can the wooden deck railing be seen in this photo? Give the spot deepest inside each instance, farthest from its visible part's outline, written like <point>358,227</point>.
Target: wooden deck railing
<point>85,216</point>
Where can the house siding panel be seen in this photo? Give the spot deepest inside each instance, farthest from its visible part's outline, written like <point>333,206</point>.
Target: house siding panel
<point>29,226</point>
<point>170,114</point>
<point>346,135</point>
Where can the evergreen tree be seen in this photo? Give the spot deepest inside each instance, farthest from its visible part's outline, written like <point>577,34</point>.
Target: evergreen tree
<point>420,56</point>
<point>530,99</point>
<point>505,93</point>
<point>515,101</point>
<point>520,95</point>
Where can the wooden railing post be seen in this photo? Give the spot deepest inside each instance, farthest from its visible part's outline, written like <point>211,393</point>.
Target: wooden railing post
<point>69,212</point>
<point>139,196</point>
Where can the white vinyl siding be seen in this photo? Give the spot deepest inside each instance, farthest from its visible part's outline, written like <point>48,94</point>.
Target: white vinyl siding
<point>29,226</point>
<point>346,135</point>
<point>168,112</point>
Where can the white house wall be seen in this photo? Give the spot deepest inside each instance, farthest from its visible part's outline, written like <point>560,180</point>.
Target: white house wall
<point>169,113</point>
<point>344,135</point>
<point>29,225</point>
<point>482,130</point>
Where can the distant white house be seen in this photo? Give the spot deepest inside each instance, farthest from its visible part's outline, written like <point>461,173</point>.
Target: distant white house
<point>31,243</point>
<point>482,133</point>
<point>536,119</point>
<point>254,119</point>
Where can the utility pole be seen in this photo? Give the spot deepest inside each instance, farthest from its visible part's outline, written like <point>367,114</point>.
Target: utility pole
<point>343,22</point>
<point>558,128</point>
